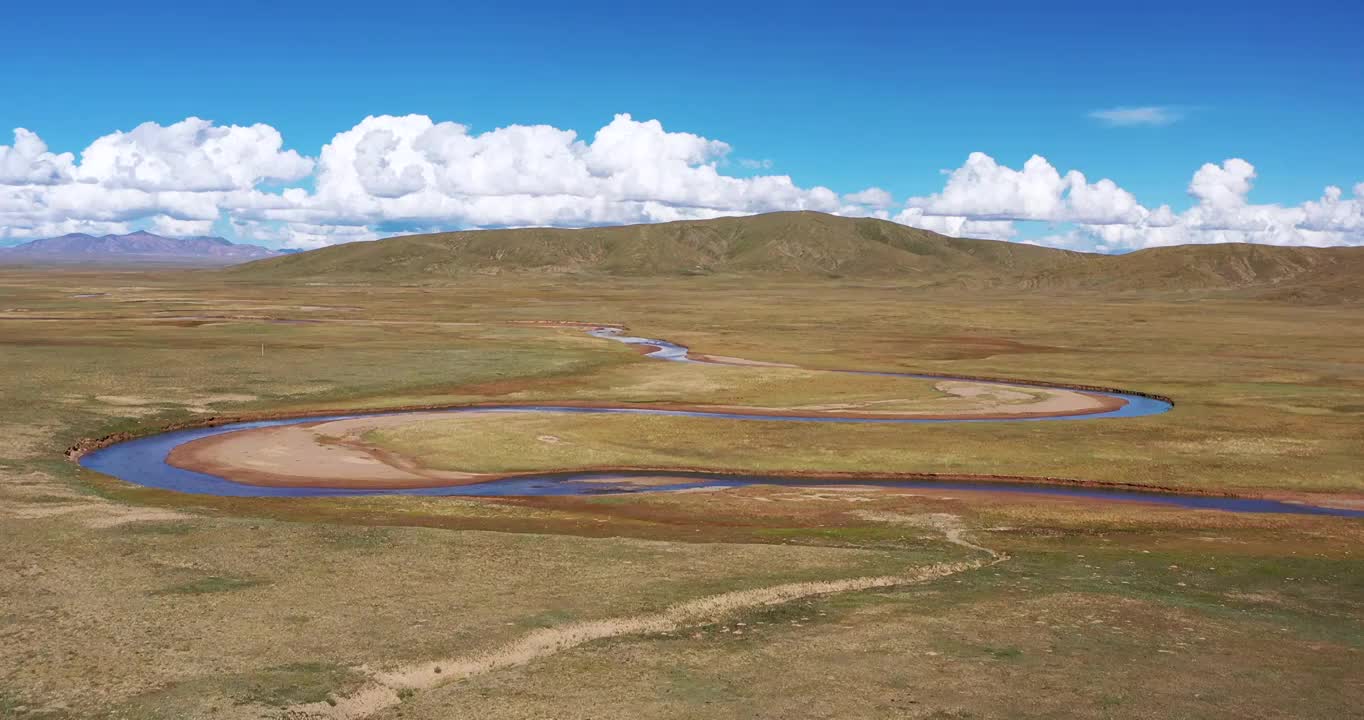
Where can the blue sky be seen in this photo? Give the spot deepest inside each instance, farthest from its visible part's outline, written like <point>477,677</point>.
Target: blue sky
<point>844,96</point>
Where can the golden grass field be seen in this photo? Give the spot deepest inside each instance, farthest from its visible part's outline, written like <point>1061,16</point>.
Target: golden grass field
<point>126,602</point>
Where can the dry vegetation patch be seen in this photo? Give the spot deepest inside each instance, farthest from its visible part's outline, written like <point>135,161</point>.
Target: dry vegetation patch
<point>124,602</point>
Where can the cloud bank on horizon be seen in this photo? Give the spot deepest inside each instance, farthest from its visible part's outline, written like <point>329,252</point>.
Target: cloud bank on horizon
<point>392,175</point>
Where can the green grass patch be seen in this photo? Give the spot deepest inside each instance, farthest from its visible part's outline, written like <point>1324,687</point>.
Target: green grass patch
<point>211,584</point>
<point>293,684</point>
<point>51,498</point>
<point>157,528</point>
<point>699,687</point>
<point>860,536</point>
<point>549,618</point>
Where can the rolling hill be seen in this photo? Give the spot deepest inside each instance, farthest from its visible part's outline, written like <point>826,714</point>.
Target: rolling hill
<point>788,243</point>
<point>133,248</point>
<point>807,244</point>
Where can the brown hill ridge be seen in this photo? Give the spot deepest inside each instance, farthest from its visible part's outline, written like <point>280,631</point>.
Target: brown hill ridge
<point>812,244</point>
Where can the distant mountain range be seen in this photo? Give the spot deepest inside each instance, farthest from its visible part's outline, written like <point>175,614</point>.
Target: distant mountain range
<point>808,244</point>
<point>133,248</point>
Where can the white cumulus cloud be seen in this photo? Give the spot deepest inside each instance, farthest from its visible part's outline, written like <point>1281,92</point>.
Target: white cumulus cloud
<point>27,162</point>
<point>192,155</point>
<point>412,173</point>
<point>984,198</point>
<point>1333,213</point>
<point>178,178</point>
<point>873,197</point>
<point>983,189</point>
<point>390,175</point>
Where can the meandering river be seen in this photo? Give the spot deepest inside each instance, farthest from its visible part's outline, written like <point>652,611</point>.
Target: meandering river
<point>142,460</point>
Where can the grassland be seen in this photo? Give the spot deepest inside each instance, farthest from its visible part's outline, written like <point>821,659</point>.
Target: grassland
<point>1217,461</point>
<point>124,602</point>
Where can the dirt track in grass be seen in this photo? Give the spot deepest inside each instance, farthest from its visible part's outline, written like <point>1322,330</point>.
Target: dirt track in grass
<point>389,688</point>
